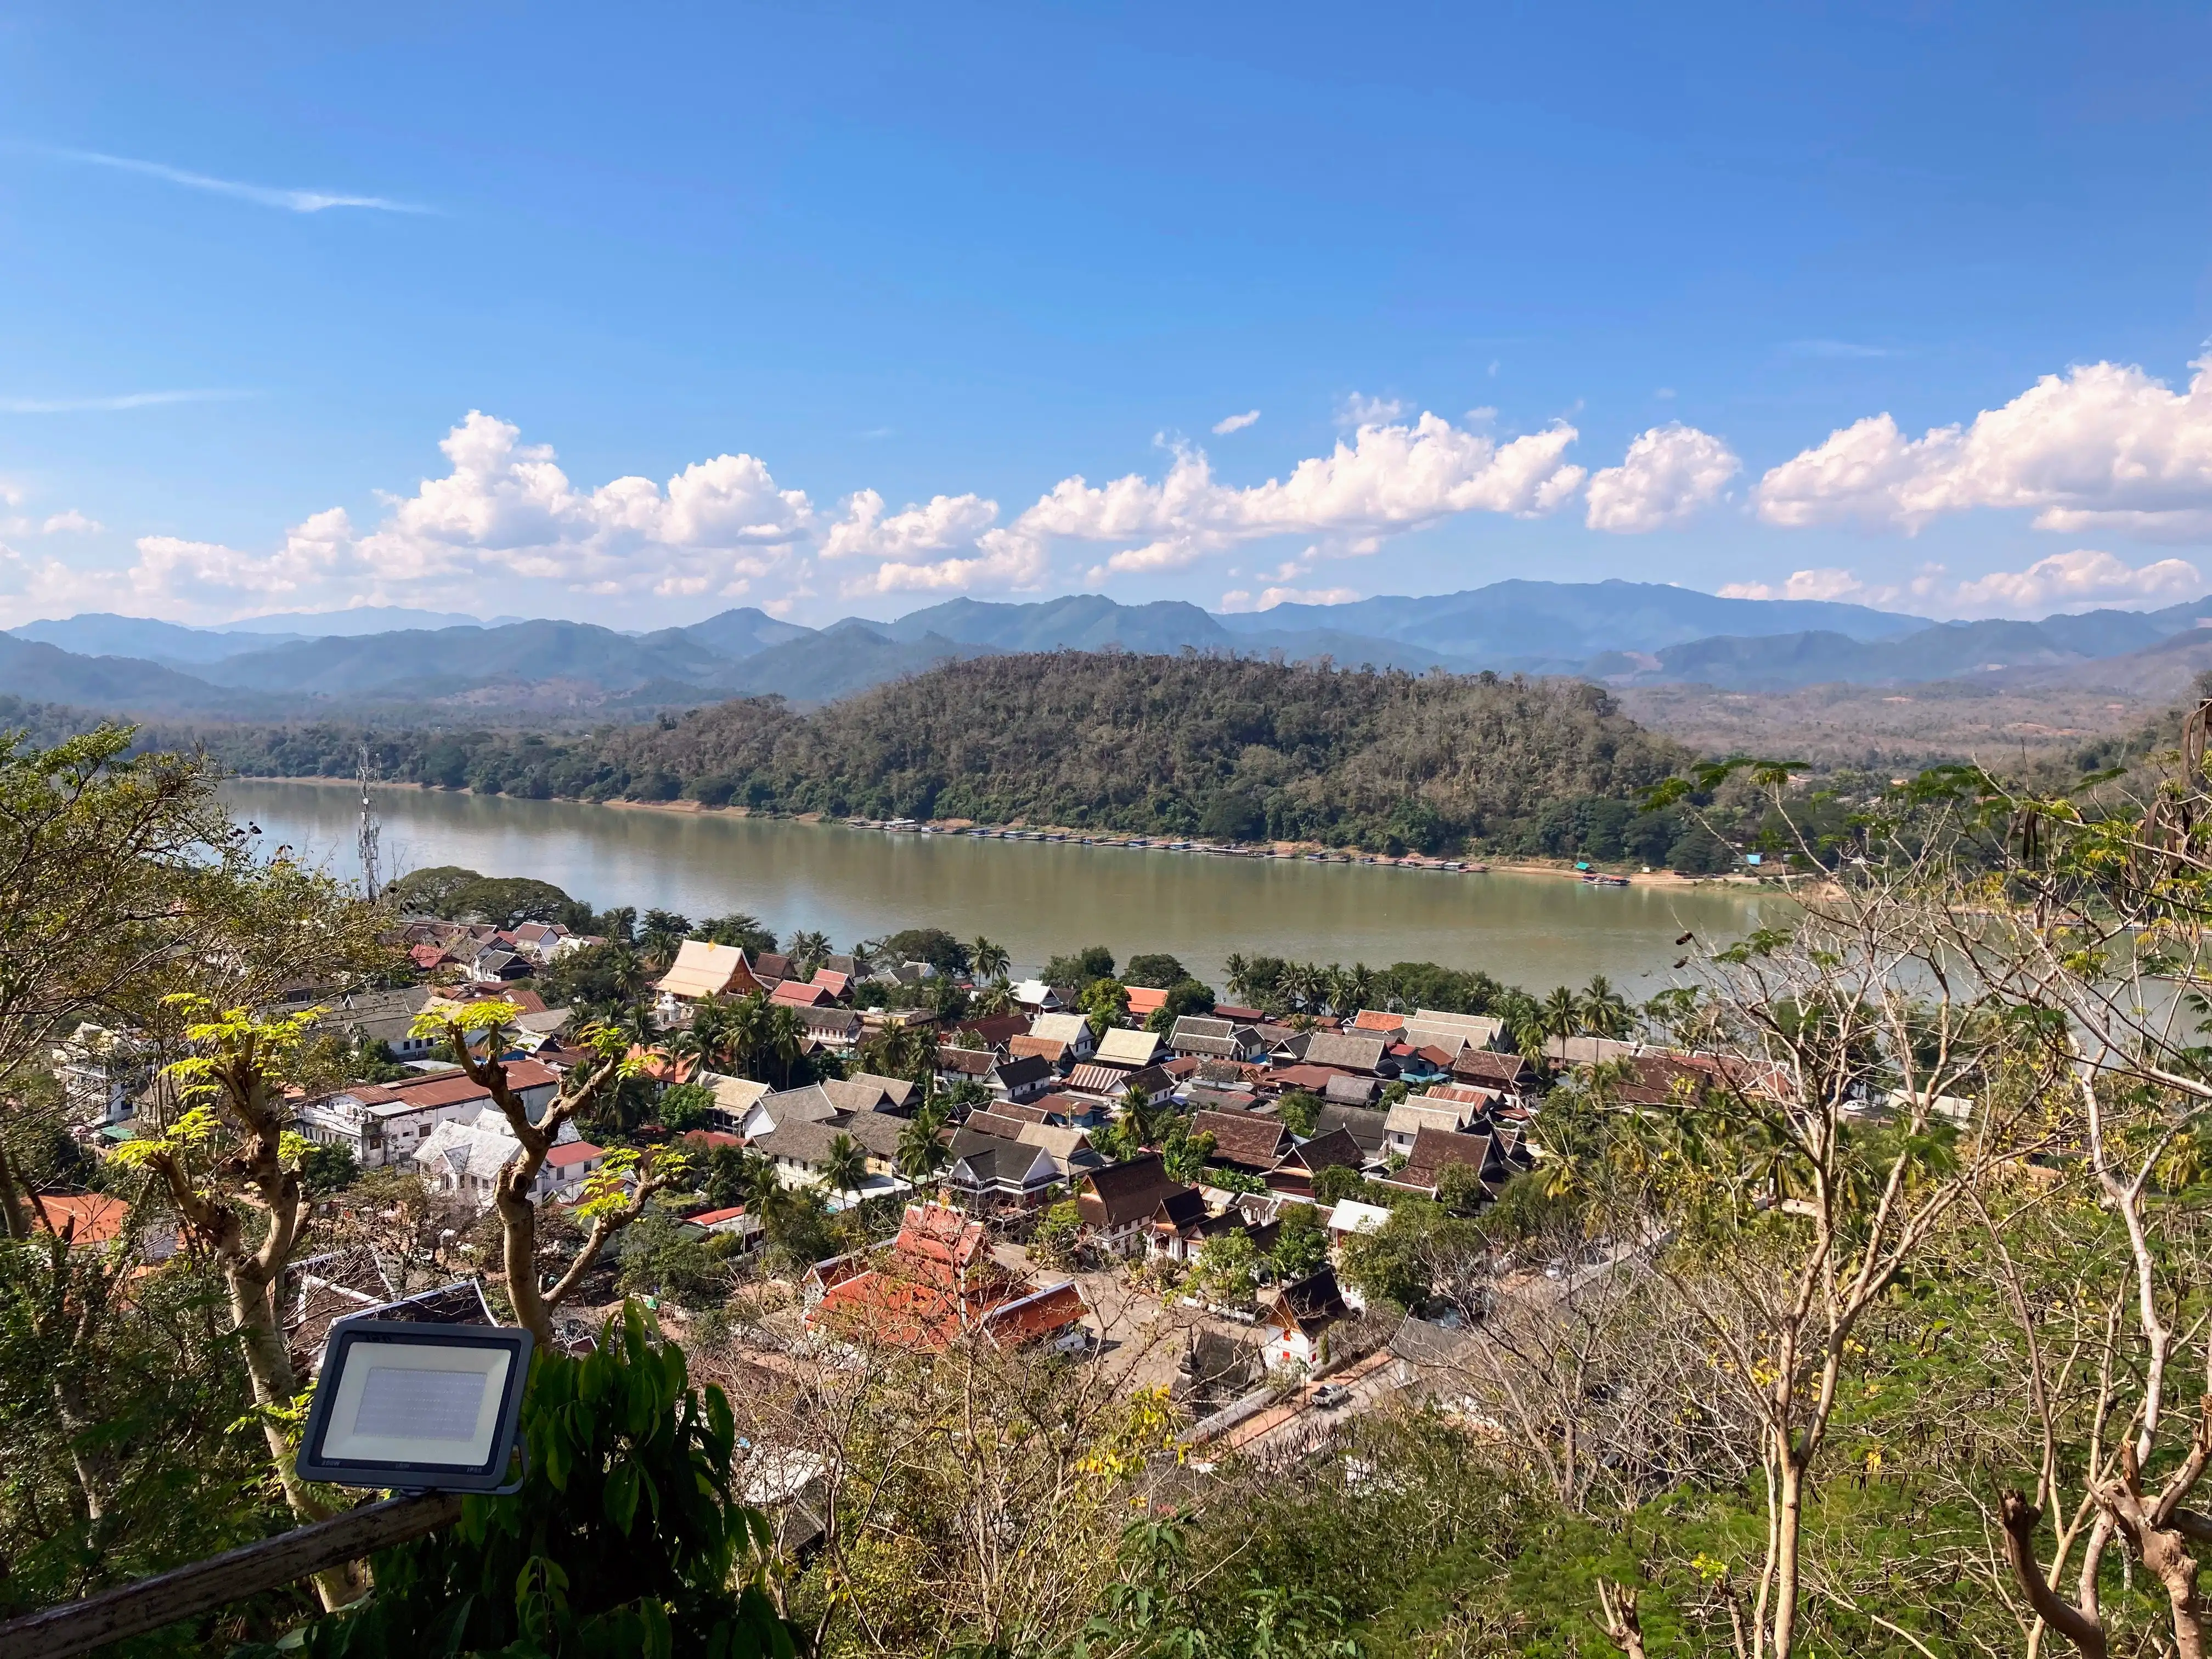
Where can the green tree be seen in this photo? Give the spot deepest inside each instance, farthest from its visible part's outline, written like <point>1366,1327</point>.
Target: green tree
<point>989,961</point>
<point>1398,1262</point>
<point>740,929</point>
<point>1156,970</point>
<point>1300,1110</point>
<point>1228,1270</point>
<point>1059,1231</point>
<point>1103,1003</point>
<point>921,1154</point>
<point>662,933</point>
<point>845,1166</point>
<point>686,1106</point>
<point>1093,962</point>
<point>1301,1242</point>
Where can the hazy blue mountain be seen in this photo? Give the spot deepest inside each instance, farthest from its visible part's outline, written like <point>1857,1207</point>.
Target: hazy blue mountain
<point>1079,622</point>
<point>362,619</point>
<point>740,633</point>
<point>1570,621</point>
<point>405,662</point>
<point>1818,657</point>
<point>99,633</point>
<point>46,673</point>
<point>844,658</point>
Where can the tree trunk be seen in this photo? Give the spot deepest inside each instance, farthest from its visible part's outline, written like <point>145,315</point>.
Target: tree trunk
<point>2165,1552</point>
<point>268,1367</point>
<point>1789,1523</point>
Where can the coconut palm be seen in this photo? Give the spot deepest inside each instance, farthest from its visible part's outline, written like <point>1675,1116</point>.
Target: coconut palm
<point>783,1038</point>
<point>845,1166</point>
<point>1560,1013</point>
<point>905,1051</point>
<point>920,1153</point>
<point>807,952</point>
<point>1240,976</point>
<point>1605,1011</point>
<point>1335,989</point>
<point>1144,1122</point>
<point>994,999</point>
<point>1358,985</point>
<point>987,960</point>
<point>663,933</point>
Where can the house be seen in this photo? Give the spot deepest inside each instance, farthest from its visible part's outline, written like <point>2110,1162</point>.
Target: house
<point>385,1017</point>
<point>1073,1029</point>
<point>1051,1050</point>
<point>1345,1090</point>
<point>771,1112</point>
<point>771,967</point>
<point>1453,1032</point>
<point>996,1031</point>
<point>1070,1149</point>
<point>1436,1150</point>
<point>734,1098</point>
<point>733,1222</point>
<point>1215,1039</point>
<point>1364,1124</point>
<point>1368,1055</point>
<point>1117,1203</point>
<point>382,1123</point>
<point>464,1154</point>
<point>1182,1223</point>
<point>1244,1141</point>
<point>1406,1121</point>
<point>1024,1079</point>
<point>1143,1001</point>
<point>1350,1217</point>
<point>936,1286</point>
<point>1375,1022</point>
<point>989,1172</point>
<point>1242,1016</point>
<point>1039,997</point>
<point>1286,1044</point>
<point>1131,1050</point>
<point>1510,1075</point>
<point>1294,1175</point>
<point>839,986</point>
<point>1109,1084</point>
<point>1296,1319</point>
<point>896,1094</point>
<point>863,1093</point>
<point>1588,1050</point>
<point>702,970</point>
<point>102,1072</point>
<point>1202,1098</point>
<point>85,1220</point>
<point>790,994</point>
<point>829,1026</point>
<point>800,1151</point>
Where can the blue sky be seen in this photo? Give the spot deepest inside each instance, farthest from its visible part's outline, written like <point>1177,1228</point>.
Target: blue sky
<point>1637,266</point>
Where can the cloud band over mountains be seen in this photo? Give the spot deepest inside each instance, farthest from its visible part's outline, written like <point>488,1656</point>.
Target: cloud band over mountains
<point>2103,449</point>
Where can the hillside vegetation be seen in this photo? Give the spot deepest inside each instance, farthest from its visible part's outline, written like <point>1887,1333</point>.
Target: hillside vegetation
<point>1190,745</point>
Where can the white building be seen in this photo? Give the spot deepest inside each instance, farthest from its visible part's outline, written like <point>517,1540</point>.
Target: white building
<point>464,1154</point>
<point>384,1123</point>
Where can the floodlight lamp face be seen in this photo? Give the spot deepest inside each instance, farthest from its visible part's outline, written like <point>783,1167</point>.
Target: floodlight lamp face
<point>413,1406</point>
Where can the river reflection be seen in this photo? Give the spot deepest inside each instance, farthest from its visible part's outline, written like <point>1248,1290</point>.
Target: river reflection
<point>1036,899</point>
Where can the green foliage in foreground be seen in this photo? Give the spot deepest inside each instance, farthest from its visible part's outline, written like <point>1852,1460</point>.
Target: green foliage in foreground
<point>626,1538</point>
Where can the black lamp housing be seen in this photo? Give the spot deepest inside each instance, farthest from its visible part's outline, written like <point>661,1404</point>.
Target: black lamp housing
<point>417,1407</point>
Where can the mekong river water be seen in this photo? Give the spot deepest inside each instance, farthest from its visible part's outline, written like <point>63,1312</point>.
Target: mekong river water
<point>1036,898</point>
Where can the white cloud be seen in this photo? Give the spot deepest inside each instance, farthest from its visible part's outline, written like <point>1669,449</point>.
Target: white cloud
<point>945,522</point>
<point>295,201</point>
<point>1002,558</point>
<point>2083,579</point>
<point>1229,424</point>
<point>1390,478</point>
<point>2079,580</point>
<point>1360,410</point>
<point>2105,447</point>
<point>71,522</point>
<point>1669,473</point>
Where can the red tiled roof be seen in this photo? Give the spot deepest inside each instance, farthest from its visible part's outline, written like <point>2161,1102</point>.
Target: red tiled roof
<point>1370,1019</point>
<point>794,995</point>
<point>708,1217</point>
<point>1242,1016</point>
<point>1144,1002</point>
<point>83,1218</point>
<point>830,980</point>
<point>574,1152</point>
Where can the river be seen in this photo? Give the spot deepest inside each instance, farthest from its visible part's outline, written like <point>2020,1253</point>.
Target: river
<point>1036,898</point>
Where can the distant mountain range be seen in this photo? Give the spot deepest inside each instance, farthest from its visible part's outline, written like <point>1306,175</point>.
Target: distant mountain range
<point>1625,634</point>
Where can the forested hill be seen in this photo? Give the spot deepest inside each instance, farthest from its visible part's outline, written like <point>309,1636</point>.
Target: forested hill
<point>1193,744</point>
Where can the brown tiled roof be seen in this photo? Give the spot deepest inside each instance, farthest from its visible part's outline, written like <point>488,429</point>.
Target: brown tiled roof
<point>1328,1149</point>
<point>1051,1050</point>
<point>968,1062</point>
<point>1353,1054</point>
<point>1245,1140</point>
<point>1122,1193</point>
<point>1506,1070</point>
<point>1020,1074</point>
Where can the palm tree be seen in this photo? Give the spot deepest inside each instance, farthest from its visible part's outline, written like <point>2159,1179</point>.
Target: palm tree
<point>1560,1013</point>
<point>1142,1120</point>
<point>994,999</point>
<point>663,932</point>
<point>987,960</point>
<point>845,1166</point>
<point>807,952</point>
<point>920,1153</point>
<point>1301,983</point>
<point>1240,976</point>
<point>1359,985</point>
<point>782,1037</point>
<point>905,1051</point>
<point>1605,1011</point>
<point>1335,988</point>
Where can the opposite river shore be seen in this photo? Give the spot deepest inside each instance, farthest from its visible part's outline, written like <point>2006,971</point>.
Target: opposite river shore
<point>1036,898</point>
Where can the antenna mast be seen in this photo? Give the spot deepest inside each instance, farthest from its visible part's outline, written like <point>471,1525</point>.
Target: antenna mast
<point>368,829</point>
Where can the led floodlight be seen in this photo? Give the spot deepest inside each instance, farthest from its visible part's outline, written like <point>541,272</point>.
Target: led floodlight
<point>416,1407</point>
